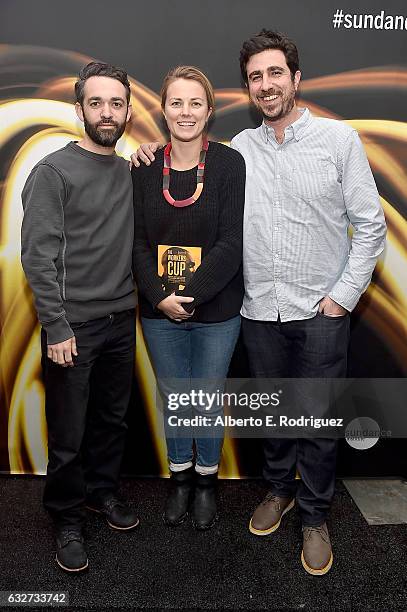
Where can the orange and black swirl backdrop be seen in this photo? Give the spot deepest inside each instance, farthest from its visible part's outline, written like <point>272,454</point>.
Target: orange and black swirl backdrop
<point>353,59</point>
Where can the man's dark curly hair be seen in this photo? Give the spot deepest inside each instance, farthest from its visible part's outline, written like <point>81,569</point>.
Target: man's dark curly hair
<point>267,39</point>
<point>100,69</point>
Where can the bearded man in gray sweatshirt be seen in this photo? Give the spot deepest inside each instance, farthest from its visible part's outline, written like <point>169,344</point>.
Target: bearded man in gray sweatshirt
<point>77,238</point>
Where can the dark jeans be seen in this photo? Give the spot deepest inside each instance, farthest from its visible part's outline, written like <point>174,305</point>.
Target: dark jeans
<point>85,408</point>
<point>313,348</point>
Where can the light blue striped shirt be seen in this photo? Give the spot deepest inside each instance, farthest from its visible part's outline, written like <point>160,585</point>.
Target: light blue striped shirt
<point>301,197</point>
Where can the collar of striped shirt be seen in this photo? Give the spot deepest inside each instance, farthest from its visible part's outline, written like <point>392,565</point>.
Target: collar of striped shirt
<point>296,129</point>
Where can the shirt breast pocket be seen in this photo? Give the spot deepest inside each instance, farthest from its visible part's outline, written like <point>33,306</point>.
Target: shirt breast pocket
<point>309,180</point>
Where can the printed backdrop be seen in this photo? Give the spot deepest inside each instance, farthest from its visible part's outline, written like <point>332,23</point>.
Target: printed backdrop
<point>353,59</point>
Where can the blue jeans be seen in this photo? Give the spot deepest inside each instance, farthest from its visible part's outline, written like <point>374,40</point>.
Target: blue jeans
<point>190,350</point>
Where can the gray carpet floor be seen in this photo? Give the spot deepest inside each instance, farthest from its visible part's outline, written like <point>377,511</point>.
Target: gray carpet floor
<point>226,568</point>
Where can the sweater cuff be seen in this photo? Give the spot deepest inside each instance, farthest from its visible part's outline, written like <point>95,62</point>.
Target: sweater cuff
<point>344,295</point>
<point>58,330</point>
<point>155,297</point>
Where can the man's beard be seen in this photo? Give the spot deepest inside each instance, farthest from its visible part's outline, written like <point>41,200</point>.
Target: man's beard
<point>104,137</point>
<point>287,102</point>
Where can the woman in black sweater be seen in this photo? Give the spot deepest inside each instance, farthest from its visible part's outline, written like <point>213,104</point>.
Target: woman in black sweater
<point>188,268</point>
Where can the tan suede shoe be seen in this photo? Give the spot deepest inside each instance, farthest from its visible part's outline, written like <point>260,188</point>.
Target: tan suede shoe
<point>267,516</point>
<point>316,555</point>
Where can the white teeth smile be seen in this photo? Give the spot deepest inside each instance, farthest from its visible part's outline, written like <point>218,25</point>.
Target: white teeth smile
<point>269,98</point>
<point>186,123</point>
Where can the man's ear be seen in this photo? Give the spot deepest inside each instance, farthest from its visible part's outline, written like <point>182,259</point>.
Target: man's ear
<point>129,111</point>
<point>79,111</point>
<point>297,79</point>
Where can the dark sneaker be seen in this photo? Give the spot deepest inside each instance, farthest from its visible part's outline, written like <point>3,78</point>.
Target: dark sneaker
<point>71,554</point>
<point>204,512</point>
<point>267,516</point>
<point>179,496</point>
<point>118,514</point>
<point>316,555</point>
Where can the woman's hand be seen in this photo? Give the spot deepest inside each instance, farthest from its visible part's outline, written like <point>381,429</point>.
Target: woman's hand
<point>145,153</point>
<point>171,306</point>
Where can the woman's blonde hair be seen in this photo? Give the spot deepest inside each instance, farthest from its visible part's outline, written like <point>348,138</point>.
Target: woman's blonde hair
<point>190,73</point>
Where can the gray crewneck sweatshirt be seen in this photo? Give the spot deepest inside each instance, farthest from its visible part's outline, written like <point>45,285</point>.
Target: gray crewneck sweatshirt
<point>77,238</point>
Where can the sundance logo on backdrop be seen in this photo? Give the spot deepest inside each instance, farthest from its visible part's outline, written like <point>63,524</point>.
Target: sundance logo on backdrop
<point>380,21</point>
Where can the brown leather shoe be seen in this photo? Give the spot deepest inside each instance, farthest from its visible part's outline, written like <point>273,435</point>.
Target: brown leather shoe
<point>267,516</point>
<point>316,555</point>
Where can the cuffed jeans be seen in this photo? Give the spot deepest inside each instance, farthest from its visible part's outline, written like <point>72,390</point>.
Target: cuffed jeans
<point>85,409</point>
<point>190,350</point>
<point>312,348</point>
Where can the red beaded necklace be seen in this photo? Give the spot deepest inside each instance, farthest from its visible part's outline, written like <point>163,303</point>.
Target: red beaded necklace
<point>199,176</point>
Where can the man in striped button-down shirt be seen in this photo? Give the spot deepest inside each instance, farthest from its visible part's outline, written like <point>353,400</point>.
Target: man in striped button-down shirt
<point>307,180</point>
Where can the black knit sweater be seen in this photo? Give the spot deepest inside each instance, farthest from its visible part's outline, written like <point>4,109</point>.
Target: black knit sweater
<point>214,223</point>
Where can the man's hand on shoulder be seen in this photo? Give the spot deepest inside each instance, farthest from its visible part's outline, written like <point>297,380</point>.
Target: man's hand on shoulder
<point>62,352</point>
<point>330,308</point>
<point>145,153</point>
